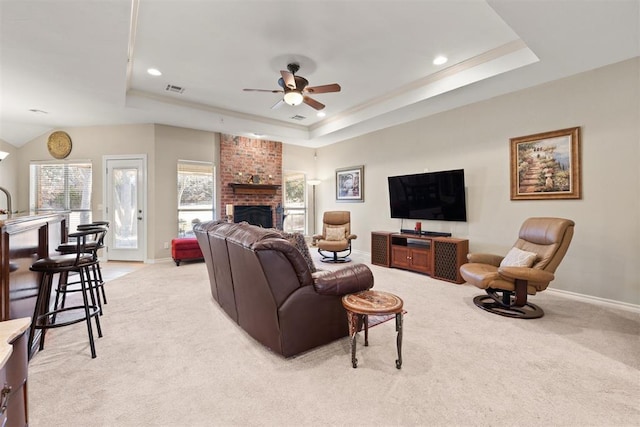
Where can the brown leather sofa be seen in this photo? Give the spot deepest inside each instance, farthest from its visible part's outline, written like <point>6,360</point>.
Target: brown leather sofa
<point>263,283</point>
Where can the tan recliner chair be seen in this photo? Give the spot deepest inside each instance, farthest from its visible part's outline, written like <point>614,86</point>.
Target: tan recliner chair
<point>336,237</point>
<point>528,268</point>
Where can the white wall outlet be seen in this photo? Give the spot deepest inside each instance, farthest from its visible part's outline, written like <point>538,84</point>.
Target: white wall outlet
<point>166,245</point>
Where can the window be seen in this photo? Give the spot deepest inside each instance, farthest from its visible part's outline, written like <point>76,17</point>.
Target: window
<point>295,208</point>
<point>62,186</point>
<point>195,195</point>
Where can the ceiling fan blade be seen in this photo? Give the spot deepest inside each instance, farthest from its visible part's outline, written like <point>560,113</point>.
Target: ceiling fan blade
<point>335,87</point>
<point>263,90</point>
<point>278,104</point>
<point>313,103</point>
<point>289,79</point>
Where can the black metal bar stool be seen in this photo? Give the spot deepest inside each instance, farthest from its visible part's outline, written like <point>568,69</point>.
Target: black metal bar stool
<point>94,243</point>
<point>80,262</point>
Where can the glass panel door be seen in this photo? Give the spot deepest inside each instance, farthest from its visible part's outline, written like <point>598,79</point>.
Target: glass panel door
<point>125,209</point>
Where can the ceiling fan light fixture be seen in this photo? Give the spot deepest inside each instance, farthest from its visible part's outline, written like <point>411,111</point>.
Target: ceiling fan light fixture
<point>293,98</point>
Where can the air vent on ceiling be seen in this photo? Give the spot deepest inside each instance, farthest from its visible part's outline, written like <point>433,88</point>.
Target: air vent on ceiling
<point>298,117</point>
<point>175,89</point>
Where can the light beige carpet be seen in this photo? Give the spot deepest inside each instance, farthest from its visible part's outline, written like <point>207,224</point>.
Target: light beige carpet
<point>171,357</point>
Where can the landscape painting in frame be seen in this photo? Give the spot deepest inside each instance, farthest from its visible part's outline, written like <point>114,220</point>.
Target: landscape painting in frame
<point>350,184</point>
<point>546,165</point>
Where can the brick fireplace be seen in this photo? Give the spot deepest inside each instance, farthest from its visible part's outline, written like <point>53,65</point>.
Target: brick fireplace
<point>257,164</point>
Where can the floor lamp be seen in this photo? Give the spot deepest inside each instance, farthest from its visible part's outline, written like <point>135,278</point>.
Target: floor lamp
<point>313,183</point>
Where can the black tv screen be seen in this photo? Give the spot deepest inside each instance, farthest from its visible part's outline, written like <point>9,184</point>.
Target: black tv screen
<point>429,195</point>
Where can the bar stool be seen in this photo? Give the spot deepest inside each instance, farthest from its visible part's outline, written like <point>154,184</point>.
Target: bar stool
<point>80,262</point>
<point>94,243</point>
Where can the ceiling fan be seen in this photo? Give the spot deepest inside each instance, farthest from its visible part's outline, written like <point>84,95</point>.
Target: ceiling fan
<point>295,89</point>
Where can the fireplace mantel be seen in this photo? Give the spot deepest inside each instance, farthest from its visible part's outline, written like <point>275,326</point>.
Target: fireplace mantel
<point>265,189</point>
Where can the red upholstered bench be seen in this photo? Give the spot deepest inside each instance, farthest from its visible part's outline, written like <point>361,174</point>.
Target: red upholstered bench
<point>185,248</point>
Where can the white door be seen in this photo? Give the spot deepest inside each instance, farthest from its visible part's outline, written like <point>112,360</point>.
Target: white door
<point>126,191</point>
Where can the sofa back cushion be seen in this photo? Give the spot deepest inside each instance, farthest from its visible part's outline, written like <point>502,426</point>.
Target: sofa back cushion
<point>201,231</point>
<point>299,242</point>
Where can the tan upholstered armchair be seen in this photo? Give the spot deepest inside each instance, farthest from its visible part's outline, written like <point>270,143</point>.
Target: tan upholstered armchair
<point>336,237</point>
<point>528,268</point>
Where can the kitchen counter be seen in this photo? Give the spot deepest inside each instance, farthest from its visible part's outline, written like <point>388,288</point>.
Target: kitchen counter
<point>9,331</point>
<point>23,240</point>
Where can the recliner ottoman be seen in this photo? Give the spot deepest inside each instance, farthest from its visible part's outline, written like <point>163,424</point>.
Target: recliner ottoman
<point>185,248</point>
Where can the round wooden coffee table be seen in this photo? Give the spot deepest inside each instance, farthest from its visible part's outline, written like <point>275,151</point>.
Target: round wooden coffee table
<point>359,306</point>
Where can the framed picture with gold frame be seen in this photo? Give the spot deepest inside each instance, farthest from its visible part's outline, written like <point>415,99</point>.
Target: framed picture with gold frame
<point>546,165</point>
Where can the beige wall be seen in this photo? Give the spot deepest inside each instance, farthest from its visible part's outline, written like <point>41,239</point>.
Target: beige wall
<point>173,144</point>
<point>603,257</point>
<point>163,146</point>
<point>89,143</point>
<point>8,173</point>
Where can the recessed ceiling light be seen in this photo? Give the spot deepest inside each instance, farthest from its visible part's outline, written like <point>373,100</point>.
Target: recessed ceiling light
<point>321,114</point>
<point>439,60</point>
<point>154,72</point>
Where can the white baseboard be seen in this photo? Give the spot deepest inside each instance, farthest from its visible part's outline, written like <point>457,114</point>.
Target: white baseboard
<point>603,301</point>
<point>569,294</point>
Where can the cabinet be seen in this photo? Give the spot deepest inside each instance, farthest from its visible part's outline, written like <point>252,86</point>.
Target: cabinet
<point>439,257</point>
<point>411,253</point>
<point>13,372</point>
<point>448,255</point>
<point>381,248</point>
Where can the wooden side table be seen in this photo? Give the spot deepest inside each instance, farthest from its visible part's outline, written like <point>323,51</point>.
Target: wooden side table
<point>362,304</point>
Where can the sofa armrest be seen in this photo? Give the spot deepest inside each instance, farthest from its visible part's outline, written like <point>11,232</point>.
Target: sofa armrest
<point>482,258</point>
<point>352,237</point>
<point>347,280</point>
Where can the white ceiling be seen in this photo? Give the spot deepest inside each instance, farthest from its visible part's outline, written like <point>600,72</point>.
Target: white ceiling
<point>70,59</point>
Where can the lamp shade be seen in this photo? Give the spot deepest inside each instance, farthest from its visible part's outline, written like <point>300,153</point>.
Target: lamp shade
<point>313,182</point>
<point>293,98</point>
<point>229,210</point>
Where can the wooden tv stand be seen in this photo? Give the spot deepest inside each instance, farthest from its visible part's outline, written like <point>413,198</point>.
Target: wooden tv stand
<point>439,257</point>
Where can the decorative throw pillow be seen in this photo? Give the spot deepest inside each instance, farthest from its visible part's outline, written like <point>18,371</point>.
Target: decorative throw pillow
<point>518,258</point>
<point>298,240</point>
<point>335,233</point>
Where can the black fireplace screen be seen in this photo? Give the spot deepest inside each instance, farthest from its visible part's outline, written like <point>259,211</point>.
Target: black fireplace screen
<point>256,215</point>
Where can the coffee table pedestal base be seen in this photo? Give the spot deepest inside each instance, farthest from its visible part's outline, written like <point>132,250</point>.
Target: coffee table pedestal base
<point>360,306</point>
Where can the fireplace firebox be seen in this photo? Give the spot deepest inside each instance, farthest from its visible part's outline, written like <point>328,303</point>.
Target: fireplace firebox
<point>256,215</point>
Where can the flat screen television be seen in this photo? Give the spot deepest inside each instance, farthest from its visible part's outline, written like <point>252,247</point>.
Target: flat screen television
<point>429,195</point>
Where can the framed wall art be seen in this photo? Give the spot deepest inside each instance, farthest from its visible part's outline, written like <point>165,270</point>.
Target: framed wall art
<point>546,165</point>
<point>350,184</point>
